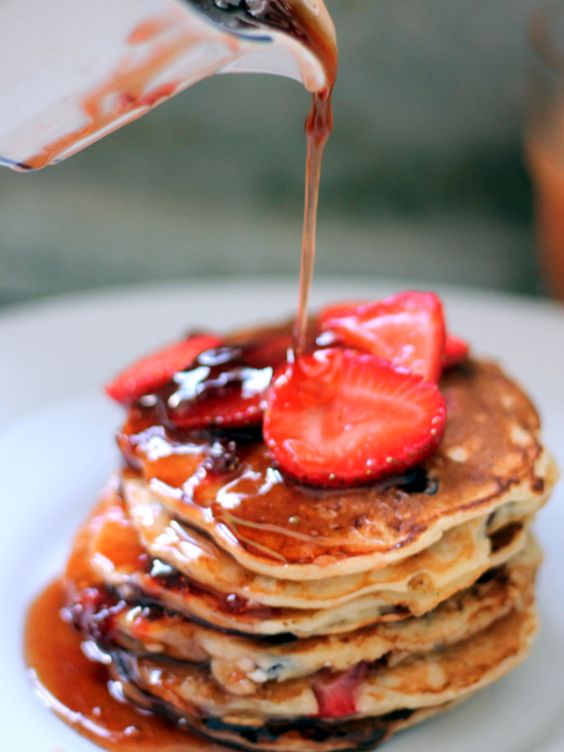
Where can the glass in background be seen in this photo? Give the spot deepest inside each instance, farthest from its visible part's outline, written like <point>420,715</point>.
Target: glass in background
<point>545,138</point>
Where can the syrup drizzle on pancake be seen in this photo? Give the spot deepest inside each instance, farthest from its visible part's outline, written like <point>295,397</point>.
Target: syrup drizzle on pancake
<point>225,482</point>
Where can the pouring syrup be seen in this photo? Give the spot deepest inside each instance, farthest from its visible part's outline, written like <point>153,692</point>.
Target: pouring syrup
<point>319,125</point>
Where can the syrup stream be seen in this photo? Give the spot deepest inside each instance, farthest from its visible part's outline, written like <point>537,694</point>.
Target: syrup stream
<point>319,125</point>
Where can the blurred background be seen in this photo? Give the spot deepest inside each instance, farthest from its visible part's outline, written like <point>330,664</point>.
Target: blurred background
<point>424,176</point>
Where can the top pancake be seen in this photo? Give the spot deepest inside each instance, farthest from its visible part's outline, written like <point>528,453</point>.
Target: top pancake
<point>228,485</point>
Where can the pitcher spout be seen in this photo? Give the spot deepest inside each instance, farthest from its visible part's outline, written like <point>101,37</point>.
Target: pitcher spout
<point>73,74</point>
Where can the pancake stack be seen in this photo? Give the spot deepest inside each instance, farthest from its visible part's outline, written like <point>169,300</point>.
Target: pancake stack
<point>267,614</point>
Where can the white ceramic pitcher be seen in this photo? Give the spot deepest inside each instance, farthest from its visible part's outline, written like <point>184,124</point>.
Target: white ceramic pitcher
<point>72,71</point>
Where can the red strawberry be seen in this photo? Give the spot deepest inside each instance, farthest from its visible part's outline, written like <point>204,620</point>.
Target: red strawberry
<point>456,349</point>
<point>336,693</point>
<point>337,310</point>
<point>152,372</point>
<point>220,389</point>
<point>229,410</point>
<point>408,330</point>
<point>339,416</point>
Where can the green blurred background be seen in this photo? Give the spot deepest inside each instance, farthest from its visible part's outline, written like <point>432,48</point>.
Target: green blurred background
<point>424,176</point>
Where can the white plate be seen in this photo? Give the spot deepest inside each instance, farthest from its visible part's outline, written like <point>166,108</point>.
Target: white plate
<point>56,449</point>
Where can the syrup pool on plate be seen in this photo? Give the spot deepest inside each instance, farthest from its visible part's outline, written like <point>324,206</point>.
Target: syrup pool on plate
<point>78,690</point>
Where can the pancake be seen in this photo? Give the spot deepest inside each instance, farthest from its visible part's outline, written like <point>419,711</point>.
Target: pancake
<point>240,664</point>
<point>300,735</point>
<point>118,560</point>
<point>419,681</point>
<point>228,486</point>
<point>463,550</point>
<point>268,615</point>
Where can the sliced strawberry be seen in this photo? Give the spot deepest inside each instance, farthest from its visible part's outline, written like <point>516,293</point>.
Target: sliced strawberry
<point>152,372</point>
<point>229,410</point>
<point>337,310</point>
<point>339,416</point>
<point>456,349</point>
<point>221,389</point>
<point>336,694</point>
<point>408,330</point>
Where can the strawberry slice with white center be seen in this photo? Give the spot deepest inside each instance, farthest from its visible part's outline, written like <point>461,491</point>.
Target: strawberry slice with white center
<point>221,389</point>
<point>343,417</point>
<point>455,351</point>
<point>153,371</point>
<point>336,694</point>
<point>408,330</point>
